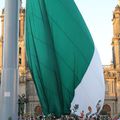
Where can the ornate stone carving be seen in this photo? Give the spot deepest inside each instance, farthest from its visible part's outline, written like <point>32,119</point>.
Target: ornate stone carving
<point>109,74</point>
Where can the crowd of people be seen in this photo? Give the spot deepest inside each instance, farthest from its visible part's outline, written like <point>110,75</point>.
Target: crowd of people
<point>67,117</point>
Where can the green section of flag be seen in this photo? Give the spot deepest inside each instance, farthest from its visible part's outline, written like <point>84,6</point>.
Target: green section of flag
<point>59,50</point>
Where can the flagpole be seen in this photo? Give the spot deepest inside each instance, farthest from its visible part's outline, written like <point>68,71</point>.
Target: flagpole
<point>9,81</point>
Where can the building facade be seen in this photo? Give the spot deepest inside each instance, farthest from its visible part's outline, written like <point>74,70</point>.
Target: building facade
<point>26,85</point>
<point>112,72</point>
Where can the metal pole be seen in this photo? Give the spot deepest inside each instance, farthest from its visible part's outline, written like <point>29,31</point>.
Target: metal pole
<point>9,82</point>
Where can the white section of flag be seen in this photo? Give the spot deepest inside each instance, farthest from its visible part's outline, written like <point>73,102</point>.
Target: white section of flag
<point>92,87</point>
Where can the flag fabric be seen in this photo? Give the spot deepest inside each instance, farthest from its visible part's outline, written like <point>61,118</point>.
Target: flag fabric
<point>62,58</point>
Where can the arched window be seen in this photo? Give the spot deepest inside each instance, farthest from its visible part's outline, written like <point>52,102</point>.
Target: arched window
<point>38,110</point>
<point>107,109</point>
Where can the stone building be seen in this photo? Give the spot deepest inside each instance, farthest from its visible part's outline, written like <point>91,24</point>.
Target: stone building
<point>112,72</point>
<point>26,86</point>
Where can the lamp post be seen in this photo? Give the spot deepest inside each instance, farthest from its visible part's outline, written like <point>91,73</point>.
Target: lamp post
<point>21,105</point>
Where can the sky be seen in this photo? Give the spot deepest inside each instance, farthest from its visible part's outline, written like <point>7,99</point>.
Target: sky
<point>98,17</point>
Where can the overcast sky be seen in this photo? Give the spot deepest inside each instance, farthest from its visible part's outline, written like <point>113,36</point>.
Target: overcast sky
<point>98,17</point>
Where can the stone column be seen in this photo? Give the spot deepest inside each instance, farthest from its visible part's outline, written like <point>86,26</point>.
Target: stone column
<point>21,23</point>
<point>1,40</point>
<point>116,37</point>
<point>118,95</point>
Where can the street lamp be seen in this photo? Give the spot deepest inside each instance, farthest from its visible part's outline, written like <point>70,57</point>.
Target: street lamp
<point>22,100</point>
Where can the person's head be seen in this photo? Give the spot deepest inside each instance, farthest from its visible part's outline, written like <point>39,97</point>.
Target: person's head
<point>89,109</point>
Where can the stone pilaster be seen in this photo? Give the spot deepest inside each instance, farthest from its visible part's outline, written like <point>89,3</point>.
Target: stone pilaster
<point>1,39</point>
<point>116,37</point>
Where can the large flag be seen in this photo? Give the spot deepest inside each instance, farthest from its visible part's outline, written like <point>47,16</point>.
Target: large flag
<point>63,60</point>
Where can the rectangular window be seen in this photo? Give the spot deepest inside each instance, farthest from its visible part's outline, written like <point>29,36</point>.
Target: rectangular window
<point>106,87</point>
<point>19,50</point>
<point>20,61</point>
<point>112,86</point>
